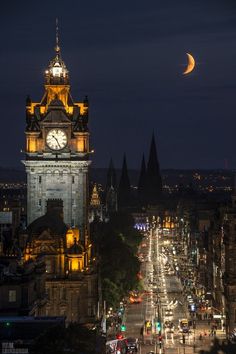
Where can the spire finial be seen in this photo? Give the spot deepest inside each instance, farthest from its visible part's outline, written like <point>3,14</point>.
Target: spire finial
<point>57,48</point>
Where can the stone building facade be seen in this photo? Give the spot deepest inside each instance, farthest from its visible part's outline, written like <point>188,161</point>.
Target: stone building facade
<point>71,279</point>
<point>57,149</point>
<point>22,286</point>
<point>57,162</point>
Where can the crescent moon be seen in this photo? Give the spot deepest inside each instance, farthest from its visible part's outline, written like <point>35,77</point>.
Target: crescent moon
<point>191,64</point>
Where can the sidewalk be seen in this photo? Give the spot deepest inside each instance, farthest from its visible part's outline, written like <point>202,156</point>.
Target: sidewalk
<point>206,325</point>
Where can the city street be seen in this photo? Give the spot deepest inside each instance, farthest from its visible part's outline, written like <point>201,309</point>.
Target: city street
<point>156,320</point>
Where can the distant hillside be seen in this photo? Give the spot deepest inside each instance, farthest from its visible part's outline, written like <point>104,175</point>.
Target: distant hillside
<point>172,177</point>
<point>196,177</point>
<point>99,175</point>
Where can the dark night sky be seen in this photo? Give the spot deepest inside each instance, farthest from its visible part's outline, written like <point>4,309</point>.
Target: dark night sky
<point>128,57</point>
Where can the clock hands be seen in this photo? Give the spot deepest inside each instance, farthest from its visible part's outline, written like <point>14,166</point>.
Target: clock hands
<point>56,141</point>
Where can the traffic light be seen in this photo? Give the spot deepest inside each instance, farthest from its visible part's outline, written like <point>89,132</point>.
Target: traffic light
<point>123,328</point>
<point>158,326</point>
<point>148,324</point>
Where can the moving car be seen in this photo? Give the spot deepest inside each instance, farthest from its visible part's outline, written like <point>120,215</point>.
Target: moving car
<point>135,297</point>
<point>132,345</point>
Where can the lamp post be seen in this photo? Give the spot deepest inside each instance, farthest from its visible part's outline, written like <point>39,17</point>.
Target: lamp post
<point>183,338</point>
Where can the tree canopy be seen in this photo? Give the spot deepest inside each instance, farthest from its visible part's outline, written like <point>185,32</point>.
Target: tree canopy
<point>117,243</point>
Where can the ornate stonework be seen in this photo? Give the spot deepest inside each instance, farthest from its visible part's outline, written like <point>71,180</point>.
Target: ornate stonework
<point>57,162</point>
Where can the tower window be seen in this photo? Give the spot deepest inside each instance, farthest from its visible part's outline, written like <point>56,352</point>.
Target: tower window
<point>73,179</point>
<point>12,296</point>
<point>40,179</point>
<point>40,202</point>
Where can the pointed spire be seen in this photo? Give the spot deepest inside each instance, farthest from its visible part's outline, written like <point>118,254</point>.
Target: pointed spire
<point>153,164</point>
<point>111,189</point>
<point>111,176</point>
<point>57,47</point>
<point>154,182</point>
<point>124,179</point>
<point>142,176</point>
<point>124,192</point>
<point>57,73</point>
<point>142,182</point>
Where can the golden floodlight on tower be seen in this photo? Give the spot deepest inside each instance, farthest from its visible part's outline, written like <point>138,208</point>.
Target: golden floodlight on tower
<point>191,64</point>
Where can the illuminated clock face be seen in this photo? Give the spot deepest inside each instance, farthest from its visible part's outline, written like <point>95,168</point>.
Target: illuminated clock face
<point>56,139</point>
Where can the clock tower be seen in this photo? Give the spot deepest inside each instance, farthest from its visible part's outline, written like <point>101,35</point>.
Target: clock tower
<point>57,149</point>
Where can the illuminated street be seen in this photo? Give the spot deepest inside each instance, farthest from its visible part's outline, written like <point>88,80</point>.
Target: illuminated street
<point>164,304</point>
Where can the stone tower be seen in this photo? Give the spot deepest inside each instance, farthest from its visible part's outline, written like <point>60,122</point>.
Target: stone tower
<point>57,162</point>
<point>57,149</point>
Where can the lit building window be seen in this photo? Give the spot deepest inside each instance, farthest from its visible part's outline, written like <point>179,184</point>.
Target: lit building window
<point>12,296</point>
<point>48,264</point>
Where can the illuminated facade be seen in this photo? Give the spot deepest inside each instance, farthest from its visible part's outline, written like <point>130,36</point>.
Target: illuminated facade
<point>57,149</point>
<point>57,161</point>
<point>95,200</point>
<point>96,207</point>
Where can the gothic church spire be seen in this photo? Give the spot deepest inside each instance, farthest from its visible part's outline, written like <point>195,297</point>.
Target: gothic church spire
<point>142,182</point>
<point>154,182</point>
<point>124,192</point>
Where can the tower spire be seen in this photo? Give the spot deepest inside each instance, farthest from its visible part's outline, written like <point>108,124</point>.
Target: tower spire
<point>57,73</point>
<point>111,189</point>
<point>111,176</point>
<point>57,47</point>
<point>124,191</point>
<point>154,182</point>
<point>142,182</point>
